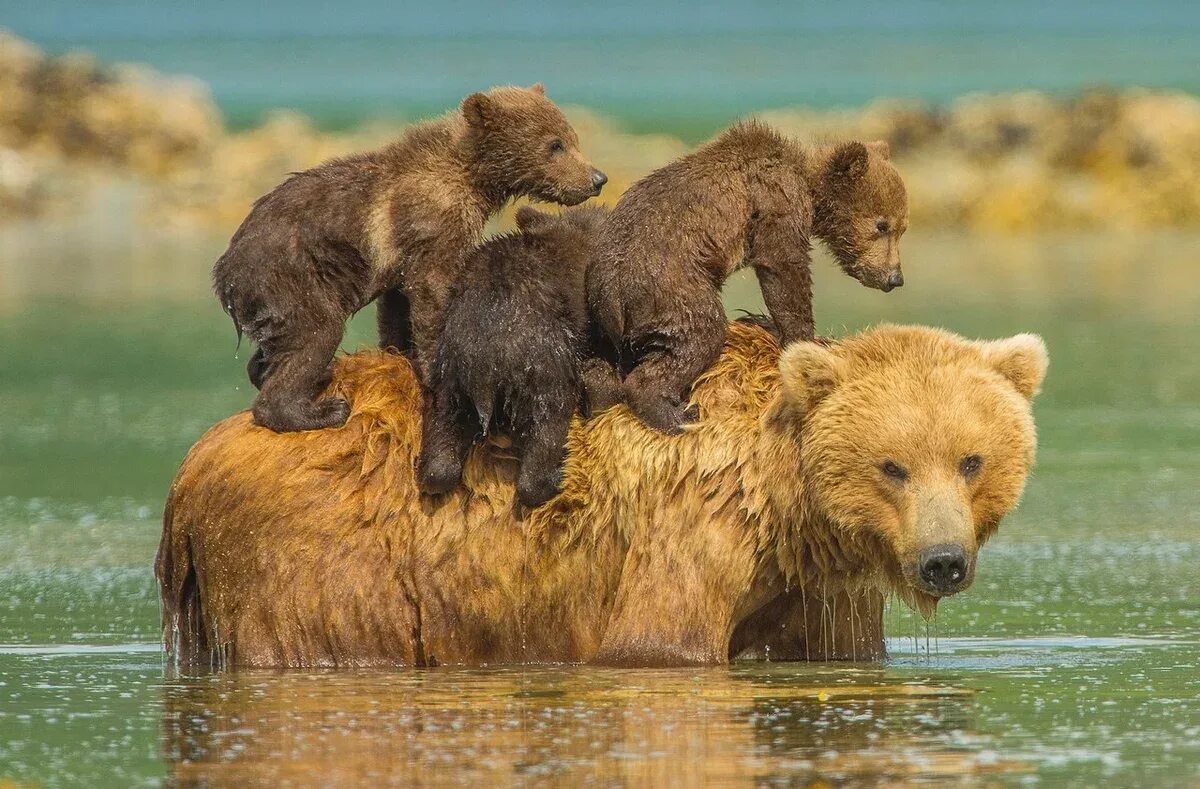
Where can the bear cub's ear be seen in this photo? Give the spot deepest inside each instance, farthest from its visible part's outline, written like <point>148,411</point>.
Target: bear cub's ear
<point>531,220</point>
<point>808,373</point>
<point>475,108</point>
<point>1022,359</point>
<point>849,163</point>
<point>538,88</point>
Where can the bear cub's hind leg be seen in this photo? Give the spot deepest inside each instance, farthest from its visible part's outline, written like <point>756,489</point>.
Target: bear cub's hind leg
<point>544,450</point>
<point>448,430</point>
<point>602,386</point>
<point>299,370</point>
<point>658,388</point>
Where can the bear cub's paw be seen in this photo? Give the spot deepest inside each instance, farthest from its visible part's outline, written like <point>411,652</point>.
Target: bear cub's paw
<point>328,412</point>
<point>535,490</point>
<point>663,414</point>
<point>437,475</point>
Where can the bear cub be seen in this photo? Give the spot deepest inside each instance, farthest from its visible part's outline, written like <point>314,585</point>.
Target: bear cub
<point>751,197</point>
<point>398,222</point>
<point>513,355</point>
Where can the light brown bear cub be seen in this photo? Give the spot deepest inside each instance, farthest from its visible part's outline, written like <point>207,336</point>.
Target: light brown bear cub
<point>397,221</point>
<point>751,197</point>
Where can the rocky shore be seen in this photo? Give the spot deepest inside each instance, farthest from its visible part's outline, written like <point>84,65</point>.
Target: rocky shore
<point>74,132</point>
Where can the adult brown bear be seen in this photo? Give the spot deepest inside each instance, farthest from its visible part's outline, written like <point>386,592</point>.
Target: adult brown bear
<point>815,483</point>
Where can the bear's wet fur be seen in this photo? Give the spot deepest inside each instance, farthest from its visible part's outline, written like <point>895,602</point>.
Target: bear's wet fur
<point>744,534</point>
<point>512,354</point>
<point>749,197</point>
<point>394,222</point>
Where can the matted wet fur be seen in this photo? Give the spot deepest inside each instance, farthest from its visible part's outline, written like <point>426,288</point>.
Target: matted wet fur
<point>396,221</point>
<point>751,197</point>
<point>513,355</point>
<point>771,524</point>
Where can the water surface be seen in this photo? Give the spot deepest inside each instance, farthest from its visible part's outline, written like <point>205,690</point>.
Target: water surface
<point>1072,660</point>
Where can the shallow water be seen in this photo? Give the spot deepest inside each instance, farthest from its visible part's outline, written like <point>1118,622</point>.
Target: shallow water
<point>1073,659</point>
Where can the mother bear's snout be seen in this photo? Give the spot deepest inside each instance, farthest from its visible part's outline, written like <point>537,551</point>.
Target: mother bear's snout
<point>943,568</point>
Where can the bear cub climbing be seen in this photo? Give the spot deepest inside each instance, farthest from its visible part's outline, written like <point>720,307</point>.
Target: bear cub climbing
<point>751,197</point>
<point>395,222</point>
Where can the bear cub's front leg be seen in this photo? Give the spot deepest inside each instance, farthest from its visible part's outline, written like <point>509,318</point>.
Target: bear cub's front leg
<point>292,382</point>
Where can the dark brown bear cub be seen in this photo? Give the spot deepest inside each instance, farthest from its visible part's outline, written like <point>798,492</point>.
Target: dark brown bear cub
<point>397,221</point>
<point>751,197</point>
<point>513,353</point>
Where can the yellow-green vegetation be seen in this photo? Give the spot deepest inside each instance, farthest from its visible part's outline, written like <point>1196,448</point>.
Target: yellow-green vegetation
<point>73,130</point>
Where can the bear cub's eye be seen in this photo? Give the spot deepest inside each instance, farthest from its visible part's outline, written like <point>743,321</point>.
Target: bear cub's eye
<point>970,465</point>
<point>883,226</point>
<point>556,146</point>
<point>892,469</point>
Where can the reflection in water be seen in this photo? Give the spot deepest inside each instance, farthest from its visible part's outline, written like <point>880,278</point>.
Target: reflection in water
<point>737,726</point>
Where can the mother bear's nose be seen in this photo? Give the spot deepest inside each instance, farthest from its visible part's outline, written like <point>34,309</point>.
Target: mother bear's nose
<point>943,567</point>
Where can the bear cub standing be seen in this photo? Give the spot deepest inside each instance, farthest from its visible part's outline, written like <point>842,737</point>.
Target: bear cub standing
<point>513,355</point>
<point>750,197</point>
<point>397,222</point>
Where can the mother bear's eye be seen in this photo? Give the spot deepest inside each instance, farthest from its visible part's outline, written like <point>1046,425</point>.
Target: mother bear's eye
<point>556,146</point>
<point>883,226</point>
<point>892,469</point>
<point>970,465</point>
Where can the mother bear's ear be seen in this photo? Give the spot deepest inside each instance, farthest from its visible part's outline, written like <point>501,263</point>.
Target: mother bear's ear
<point>808,373</point>
<point>1022,359</point>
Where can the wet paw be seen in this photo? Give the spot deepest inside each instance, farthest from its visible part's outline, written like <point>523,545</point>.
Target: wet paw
<point>658,413</point>
<point>297,417</point>
<point>437,477</point>
<point>332,412</point>
<point>535,493</point>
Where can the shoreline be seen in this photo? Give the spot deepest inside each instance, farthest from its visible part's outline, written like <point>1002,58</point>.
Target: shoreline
<point>75,132</point>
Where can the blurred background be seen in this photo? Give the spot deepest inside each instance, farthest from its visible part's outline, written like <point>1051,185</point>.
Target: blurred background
<point>1052,153</point>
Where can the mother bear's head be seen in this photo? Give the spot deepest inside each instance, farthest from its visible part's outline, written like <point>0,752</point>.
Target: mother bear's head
<point>913,444</point>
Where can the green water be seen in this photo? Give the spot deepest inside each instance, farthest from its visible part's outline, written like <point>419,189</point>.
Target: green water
<point>1073,659</point>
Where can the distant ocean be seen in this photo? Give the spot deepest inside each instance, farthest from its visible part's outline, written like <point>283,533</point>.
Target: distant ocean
<point>684,68</point>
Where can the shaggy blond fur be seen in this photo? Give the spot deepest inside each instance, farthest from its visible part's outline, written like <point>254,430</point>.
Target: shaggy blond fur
<point>313,549</point>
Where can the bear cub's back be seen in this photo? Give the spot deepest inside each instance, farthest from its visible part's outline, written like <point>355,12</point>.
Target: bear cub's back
<point>520,303</point>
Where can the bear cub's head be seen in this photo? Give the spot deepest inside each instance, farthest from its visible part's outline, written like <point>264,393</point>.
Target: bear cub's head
<point>583,222</point>
<point>563,241</point>
<point>862,211</point>
<point>917,443</point>
<point>524,145</point>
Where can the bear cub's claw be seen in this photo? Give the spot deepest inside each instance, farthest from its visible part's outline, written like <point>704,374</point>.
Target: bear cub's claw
<point>665,416</point>
<point>333,411</point>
